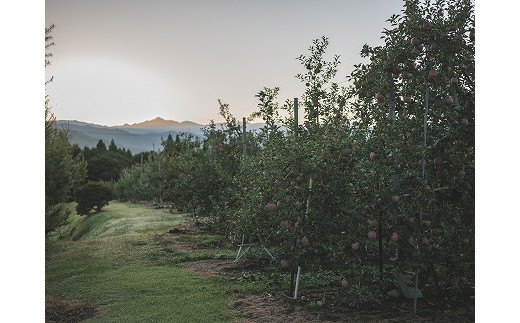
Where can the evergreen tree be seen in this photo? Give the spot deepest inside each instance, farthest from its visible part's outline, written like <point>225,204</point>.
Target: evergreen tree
<point>65,169</point>
<point>112,147</point>
<point>101,147</point>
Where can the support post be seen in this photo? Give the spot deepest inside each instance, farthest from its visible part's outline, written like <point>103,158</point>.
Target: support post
<point>296,114</point>
<point>308,200</point>
<point>244,144</point>
<point>295,238</point>
<point>380,248</point>
<point>416,292</point>
<point>391,97</point>
<point>297,282</point>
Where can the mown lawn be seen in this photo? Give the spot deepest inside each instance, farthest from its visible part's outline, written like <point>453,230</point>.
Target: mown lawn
<point>112,260</point>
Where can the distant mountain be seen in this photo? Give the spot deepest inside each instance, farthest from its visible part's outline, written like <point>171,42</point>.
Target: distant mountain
<point>138,137</point>
<point>134,138</point>
<point>162,123</point>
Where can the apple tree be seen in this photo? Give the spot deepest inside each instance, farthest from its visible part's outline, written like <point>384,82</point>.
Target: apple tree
<point>414,102</point>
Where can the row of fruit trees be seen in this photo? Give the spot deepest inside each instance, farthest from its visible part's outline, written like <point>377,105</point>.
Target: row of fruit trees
<point>390,159</point>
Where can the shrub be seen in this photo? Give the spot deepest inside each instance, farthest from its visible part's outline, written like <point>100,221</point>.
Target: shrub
<point>92,196</point>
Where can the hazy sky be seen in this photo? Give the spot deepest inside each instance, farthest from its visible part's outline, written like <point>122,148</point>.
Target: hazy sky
<point>118,61</point>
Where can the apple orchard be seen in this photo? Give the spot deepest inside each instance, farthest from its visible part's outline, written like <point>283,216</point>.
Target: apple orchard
<point>378,179</point>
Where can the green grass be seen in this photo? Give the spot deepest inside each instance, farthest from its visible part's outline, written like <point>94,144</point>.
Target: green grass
<point>113,259</point>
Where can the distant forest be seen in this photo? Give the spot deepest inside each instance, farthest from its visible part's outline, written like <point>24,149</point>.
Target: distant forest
<point>105,164</point>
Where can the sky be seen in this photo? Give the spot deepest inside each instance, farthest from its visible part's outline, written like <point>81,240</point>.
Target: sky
<point>127,61</point>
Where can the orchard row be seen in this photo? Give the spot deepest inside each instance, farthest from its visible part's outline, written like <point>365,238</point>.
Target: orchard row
<point>379,176</point>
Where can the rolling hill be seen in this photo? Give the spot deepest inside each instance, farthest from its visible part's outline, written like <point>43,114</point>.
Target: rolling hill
<point>138,137</point>
<point>134,137</point>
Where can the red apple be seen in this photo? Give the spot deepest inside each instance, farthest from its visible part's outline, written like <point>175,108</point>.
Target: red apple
<point>372,234</point>
<point>464,121</point>
<point>462,172</point>
<point>396,198</point>
<point>434,46</point>
<point>449,100</point>
<point>379,96</point>
<point>426,25</point>
<point>433,73</point>
<point>344,283</point>
<point>466,241</point>
<point>416,51</point>
<point>284,224</point>
<point>415,41</point>
<point>394,236</point>
<point>372,155</point>
<point>427,223</point>
<point>355,246</point>
<point>285,263</point>
<point>278,183</point>
<point>305,241</point>
<point>454,80</point>
<point>270,206</point>
<point>425,240</point>
<point>407,99</point>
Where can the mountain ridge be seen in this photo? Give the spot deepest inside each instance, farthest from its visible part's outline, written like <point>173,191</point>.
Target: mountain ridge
<point>139,137</point>
<point>159,122</point>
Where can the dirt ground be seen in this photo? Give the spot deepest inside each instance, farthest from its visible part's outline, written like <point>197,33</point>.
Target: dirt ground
<point>60,310</point>
<point>276,307</point>
<point>268,307</point>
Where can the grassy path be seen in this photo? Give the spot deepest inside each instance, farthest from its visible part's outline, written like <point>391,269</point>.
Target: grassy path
<point>112,260</point>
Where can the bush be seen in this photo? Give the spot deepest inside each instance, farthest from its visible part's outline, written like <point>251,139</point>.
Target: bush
<point>92,196</point>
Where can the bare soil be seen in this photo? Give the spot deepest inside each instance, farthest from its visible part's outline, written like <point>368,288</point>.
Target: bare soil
<point>212,267</point>
<point>329,305</point>
<point>277,307</point>
<point>58,309</point>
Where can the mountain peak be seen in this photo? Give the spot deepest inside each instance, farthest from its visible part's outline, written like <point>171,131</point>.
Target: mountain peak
<point>158,122</point>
